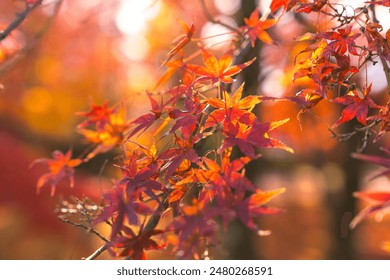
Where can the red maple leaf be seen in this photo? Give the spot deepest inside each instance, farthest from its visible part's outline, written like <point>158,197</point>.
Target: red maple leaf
<point>384,118</point>
<point>217,70</point>
<point>220,181</point>
<point>98,115</point>
<point>196,223</point>
<point>248,135</point>
<point>61,166</point>
<point>145,121</point>
<point>376,42</point>
<point>122,204</point>
<point>255,28</point>
<point>286,4</point>
<point>140,180</point>
<point>182,40</point>
<point>341,41</point>
<point>357,103</point>
<point>174,157</point>
<point>134,245</point>
<point>253,206</point>
<point>277,4</point>
<point>379,203</point>
<point>315,6</point>
<point>186,119</point>
<point>104,127</point>
<point>385,162</point>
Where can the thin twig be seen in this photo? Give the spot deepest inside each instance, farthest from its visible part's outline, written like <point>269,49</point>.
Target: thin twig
<point>11,61</point>
<point>19,19</point>
<point>91,230</point>
<point>98,252</point>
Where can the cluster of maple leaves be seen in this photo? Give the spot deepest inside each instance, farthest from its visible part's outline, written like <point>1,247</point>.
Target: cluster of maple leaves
<point>201,185</point>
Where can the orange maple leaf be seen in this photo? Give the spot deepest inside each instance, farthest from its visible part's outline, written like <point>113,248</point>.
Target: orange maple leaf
<point>379,203</point>
<point>217,70</point>
<point>254,206</point>
<point>255,28</point>
<point>231,108</point>
<point>61,166</point>
<point>110,125</point>
<point>181,41</point>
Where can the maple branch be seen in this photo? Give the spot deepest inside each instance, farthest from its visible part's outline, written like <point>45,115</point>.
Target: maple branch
<point>98,252</point>
<point>19,19</point>
<point>216,21</point>
<point>3,34</point>
<point>89,229</point>
<point>155,218</point>
<point>346,136</point>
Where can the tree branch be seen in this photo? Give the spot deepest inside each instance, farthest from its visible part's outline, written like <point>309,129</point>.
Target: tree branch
<point>91,230</point>
<point>19,19</point>
<point>98,252</point>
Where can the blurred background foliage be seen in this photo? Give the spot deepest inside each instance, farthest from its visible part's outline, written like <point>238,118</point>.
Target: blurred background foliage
<point>69,53</point>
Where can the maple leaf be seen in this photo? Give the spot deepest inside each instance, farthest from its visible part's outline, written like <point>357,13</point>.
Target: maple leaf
<point>196,224</point>
<point>384,118</point>
<point>186,120</point>
<point>60,166</point>
<point>98,115</point>
<point>173,66</point>
<point>379,203</point>
<point>253,206</point>
<point>307,98</point>
<point>145,121</point>
<point>220,180</point>
<point>376,42</point>
<point>174,157</point>
<point>317,67</point>
<point>341,41</point>
<point>385,162</point>
<point>277,4</point>
<point>140,180</point>
<point>109,126</point>
<point>316,6</point>
<point>122,204</point>
<point>248,135</point>
<point>217,70</point>
<point>182,40</point>
<point>134,245</point>
<point>344,67</point>
<point>286,4</point>
<point>230,108</point>
<point>255,28</point>
<point>357,103</point>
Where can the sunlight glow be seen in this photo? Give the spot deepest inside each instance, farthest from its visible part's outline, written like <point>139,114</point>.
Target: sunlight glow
<point>376,76</point>
<point>134,47</point>
<point>133,15</point>
<point>273,84</point>
<point>227,7</point>
<point>217,36</point>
